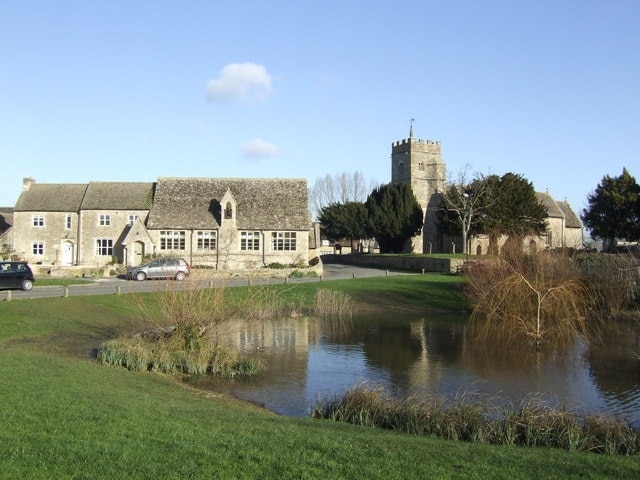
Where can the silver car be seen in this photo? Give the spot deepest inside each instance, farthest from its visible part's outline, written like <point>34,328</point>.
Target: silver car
<point>163,267</point>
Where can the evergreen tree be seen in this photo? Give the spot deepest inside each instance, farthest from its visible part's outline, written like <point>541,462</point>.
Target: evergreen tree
<point>514,209</point>
<point>394,216</point>
<point>344,220</point>
<point>614,209</point>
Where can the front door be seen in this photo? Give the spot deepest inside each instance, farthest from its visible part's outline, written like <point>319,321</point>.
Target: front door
<point>67,253</point>
<point>138,253</point>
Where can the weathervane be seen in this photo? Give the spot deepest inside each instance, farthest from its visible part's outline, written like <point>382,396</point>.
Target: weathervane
<point>411,127</point>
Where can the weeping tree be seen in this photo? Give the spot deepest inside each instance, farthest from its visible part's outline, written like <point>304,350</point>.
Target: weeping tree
<point>535,298</point>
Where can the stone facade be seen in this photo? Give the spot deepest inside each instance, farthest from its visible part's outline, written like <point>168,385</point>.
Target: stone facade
<point>419,163</point>
<point>221,223</point>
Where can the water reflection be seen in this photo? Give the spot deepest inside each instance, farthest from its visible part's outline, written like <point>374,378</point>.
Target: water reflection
<point>309,358</point>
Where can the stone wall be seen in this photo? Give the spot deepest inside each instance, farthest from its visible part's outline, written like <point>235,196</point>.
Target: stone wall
<point>414,263</point>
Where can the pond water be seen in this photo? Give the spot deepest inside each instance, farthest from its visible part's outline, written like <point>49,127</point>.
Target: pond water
<point>310,358</point>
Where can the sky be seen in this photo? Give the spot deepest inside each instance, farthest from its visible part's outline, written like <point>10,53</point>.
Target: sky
<point>132,91</point>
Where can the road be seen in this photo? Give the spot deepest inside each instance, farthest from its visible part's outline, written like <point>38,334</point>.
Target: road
<point>105,286</point>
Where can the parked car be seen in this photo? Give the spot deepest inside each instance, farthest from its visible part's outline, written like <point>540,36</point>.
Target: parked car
<point>16,275</point>
<point>163,267</point>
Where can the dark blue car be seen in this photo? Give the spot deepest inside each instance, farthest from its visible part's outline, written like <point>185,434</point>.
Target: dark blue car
<point>16,275</point>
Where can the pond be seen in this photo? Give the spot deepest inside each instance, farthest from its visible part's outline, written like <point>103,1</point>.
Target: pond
<point>310,358</point>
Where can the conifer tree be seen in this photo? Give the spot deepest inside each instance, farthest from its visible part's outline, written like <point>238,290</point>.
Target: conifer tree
<point>394,216</point>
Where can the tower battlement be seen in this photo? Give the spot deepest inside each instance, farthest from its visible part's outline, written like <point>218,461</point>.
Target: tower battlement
<point>408,141</point>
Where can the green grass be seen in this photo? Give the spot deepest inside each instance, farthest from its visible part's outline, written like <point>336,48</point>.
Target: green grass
<point>61,282</point>
<point>65,416</point>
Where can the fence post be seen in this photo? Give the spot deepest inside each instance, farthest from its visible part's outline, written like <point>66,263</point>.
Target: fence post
<point>65,291</point>
<point>8,295</point>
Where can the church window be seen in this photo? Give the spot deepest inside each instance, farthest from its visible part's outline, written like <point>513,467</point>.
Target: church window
<point>421,166</point>
<point>401,167</point>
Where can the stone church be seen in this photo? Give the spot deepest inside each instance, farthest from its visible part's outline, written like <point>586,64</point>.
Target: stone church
<point>419,163</point>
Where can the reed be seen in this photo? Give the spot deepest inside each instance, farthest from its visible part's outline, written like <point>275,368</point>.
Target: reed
<point>464,418</point>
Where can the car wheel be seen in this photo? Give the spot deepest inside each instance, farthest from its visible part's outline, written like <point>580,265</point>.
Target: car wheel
<point>140,276</point>
<point>27,285</point>
<point>180,276</point>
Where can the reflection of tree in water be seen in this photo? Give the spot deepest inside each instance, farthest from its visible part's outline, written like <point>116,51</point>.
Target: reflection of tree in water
<point>615,366</point>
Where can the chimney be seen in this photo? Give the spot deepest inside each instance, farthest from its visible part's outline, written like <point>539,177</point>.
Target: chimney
<point>26,183</point>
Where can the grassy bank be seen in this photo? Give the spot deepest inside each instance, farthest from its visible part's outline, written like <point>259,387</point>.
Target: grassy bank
<point>65,416</point>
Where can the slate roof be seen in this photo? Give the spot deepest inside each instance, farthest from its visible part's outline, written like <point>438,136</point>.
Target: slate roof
<point>571,220</point>
<point>553,210</point>
<point>6,219</point>
<point>262,203</point>
<point>118,196</point>
<point>559,210</point>
<point>51,197</point>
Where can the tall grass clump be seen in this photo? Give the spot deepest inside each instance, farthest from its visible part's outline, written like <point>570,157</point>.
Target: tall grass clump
<point>190,328</point>
<point>461,418</point>
<point>333,303</point>
<point>534,298</point>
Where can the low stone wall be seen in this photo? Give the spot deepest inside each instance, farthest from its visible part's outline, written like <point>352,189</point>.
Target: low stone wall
<point>414,263</point>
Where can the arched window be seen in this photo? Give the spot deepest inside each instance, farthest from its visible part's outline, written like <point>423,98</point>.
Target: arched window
<point>401,167</point>
<point>228,210</point>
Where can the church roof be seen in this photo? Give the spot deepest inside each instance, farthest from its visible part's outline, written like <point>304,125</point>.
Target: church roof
<point>263,203</point>
<point>570,218</point>
<point>557,209</point>
<point>553,210</point>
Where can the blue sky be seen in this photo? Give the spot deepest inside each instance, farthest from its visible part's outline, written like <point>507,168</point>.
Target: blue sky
<point>133,91</point>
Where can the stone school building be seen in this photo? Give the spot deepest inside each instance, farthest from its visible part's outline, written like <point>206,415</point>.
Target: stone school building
<point>221,223</point>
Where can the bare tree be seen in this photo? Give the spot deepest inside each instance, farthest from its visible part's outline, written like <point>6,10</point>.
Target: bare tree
<point>464,200</point>
<point>339,188</point>
<point>538,297</point>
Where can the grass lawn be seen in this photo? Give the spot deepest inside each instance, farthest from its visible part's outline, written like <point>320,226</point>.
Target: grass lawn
<point>65,416</point>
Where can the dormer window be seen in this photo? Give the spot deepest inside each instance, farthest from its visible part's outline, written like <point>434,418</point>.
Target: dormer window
<point>228,211</point>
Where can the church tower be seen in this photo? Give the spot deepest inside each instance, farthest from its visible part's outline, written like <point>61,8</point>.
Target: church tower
<point>419,163</point>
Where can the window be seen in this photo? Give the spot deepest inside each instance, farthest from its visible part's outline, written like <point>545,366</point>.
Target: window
<point>283,240</point>
<point>207,240</point>
<point>249,240</point>
<point>104,220</point>
<point>421,166</point>
<point>133,218</point>
<point>172,239</point>
<point>68,222</point>
<point>401,167</point>
<point>228,211</point>
<point>38,221</point>
<point>38,248</point>
<point>104,247</point>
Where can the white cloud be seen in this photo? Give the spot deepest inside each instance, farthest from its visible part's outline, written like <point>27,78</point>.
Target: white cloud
<point>240,82</point>
<point>258,149</point>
